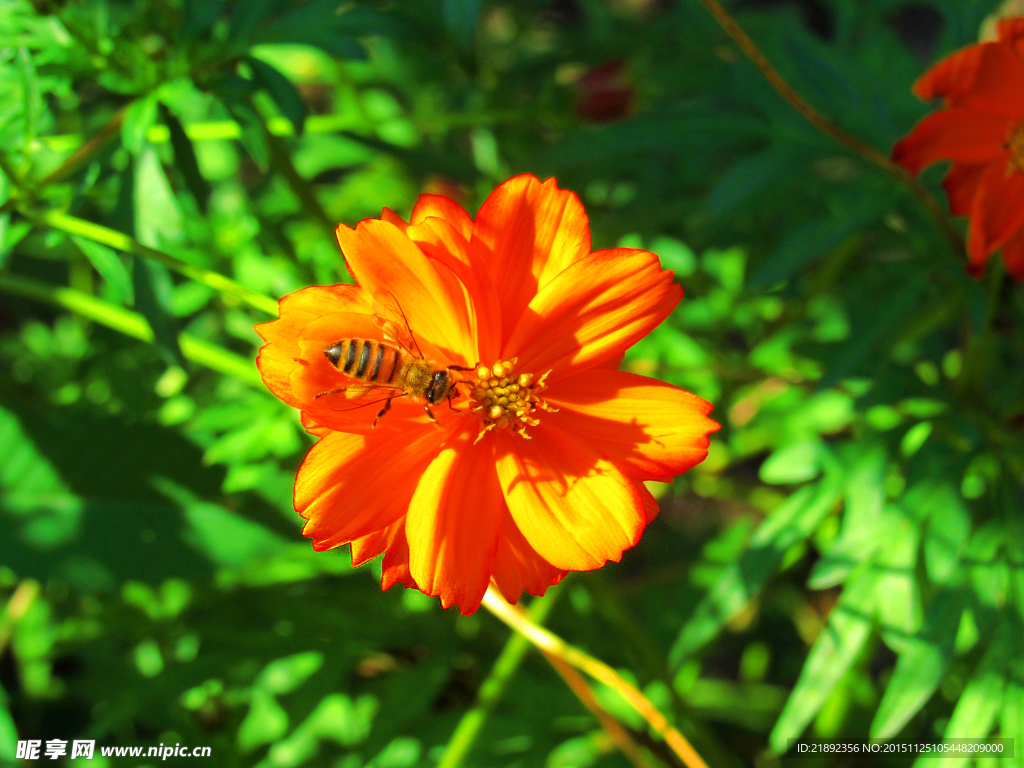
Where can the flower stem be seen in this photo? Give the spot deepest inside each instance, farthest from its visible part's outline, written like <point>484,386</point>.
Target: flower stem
<point>84,153</point>
<point>618,735</point>
<point>131,324</point>
<point>121,242</point>
<point>493,688</point>
<point>819,121</point>
<point>550,643</point>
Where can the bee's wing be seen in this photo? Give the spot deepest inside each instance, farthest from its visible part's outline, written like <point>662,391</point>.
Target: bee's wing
<point>395,325</point>
<point>353,396</point>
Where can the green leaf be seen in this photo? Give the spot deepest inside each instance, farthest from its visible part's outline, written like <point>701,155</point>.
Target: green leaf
<point>865,523</point>
<point>287,674</point>
<point>803,246</point>
<point>949,527</point>
<point>989,572</point>
<point>790,524</point>
<point>921,665</point>
<point>200,15</point>
<point>915,438</point>
<point>150,282</point>
<point>264,723</point>
<point>32,491</point>
<point>844,635</point>
<point>899,599</point>
<point>323,24</point>
<point>158,220</point>
<point>979,705</point>
<point>8,730</point>
<point>342,719</point>
<point>186,161</point>
<point>794,463</point>
<point>246,15</point>
<point>140,116</point>
<point>1011,720</point>
<point>460,18</point>
<point>253,137</point>
<point>110,266</point>
<point>749,176</point>
<point>281,90</point>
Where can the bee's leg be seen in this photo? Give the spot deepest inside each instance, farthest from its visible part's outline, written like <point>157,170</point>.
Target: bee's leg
<point>431,415</point>
<point>385,409</point>
<point>334,391</point>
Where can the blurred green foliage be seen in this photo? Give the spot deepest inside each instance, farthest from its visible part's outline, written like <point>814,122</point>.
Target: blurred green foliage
<point>849,561</point>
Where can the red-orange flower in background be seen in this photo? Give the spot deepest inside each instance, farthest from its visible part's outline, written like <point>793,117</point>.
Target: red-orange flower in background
<point>982,131</point>
<point>606,93</point>
<point>538,468</point>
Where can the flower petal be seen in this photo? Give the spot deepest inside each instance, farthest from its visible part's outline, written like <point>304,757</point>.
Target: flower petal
<point>995,89</point>
<point>352,485</point>
<point>441,207</point>
<point>951,76</point>
<point>997,213</point>
<point>1013,254</point>
<point>651,506</point>
<point>385,262</point>
<point>453,523</point>
<point>395,567</point>
<point>391,541</point>
<point>526,232</point>
<point>1011,29</point>
<point>312,375</point>
<point>960,184</point>
<point>575,508</point>
<point>649,429</point>
<point>592,311</point>
<point>445,246</point>
<point>296,310</point>
<point>960,135</point>
<point>518,567</point>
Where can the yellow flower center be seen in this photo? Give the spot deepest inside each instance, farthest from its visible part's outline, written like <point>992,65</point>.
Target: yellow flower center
<point>506,399</point>
<point>1016,147</point>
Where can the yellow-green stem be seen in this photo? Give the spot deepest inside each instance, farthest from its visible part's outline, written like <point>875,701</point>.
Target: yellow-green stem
<point>551,643</point>
<point>493,688</point>
<point>122,242</point>
<point>618,735</point>
<point>131,324</point>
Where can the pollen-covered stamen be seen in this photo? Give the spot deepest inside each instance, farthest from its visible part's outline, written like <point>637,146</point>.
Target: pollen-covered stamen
<point>506,399</point>
<point>1016,146</point>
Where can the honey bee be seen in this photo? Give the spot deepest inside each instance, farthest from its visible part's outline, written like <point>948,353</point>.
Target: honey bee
<point>395,367</point>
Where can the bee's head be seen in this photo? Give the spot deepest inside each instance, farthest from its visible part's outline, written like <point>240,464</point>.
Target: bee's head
<point>440,387</point>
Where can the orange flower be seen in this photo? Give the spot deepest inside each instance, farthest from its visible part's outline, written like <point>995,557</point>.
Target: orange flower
<point>982,131</point>
<point>515,493</point>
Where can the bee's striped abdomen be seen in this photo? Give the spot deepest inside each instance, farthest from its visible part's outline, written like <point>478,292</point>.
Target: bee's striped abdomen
<point>365,359</point>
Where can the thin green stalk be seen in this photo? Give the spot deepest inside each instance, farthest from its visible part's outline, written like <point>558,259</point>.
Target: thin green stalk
<point>131,324</point>
<point>493,688</point>
<point>121,242</point>
<point>228,130</point>
<point>87,150</point>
